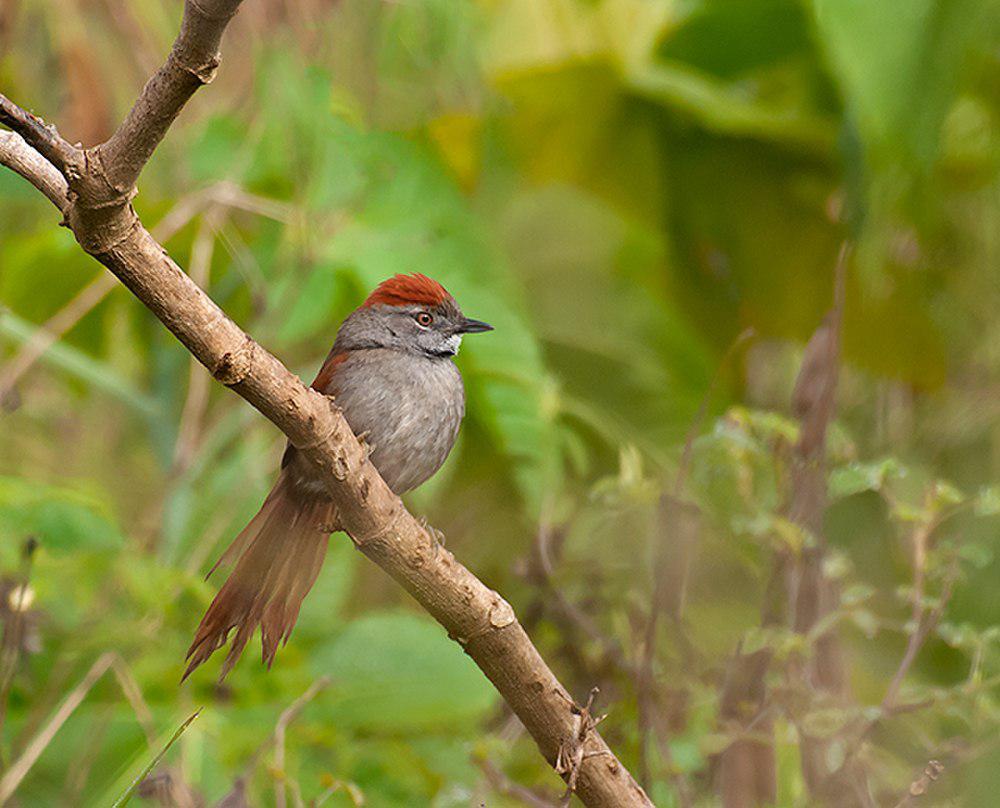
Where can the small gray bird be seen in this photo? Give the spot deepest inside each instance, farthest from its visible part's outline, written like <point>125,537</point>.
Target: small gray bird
<point>391,373</point>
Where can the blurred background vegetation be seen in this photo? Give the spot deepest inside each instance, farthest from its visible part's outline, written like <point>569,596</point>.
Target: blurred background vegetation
<point>621,187</point>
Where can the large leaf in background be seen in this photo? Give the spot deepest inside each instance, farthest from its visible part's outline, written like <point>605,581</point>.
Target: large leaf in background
<point>526,34</point>
<point>62,519</point>
<point>399,672</point>
<point>581,73</point>
<point>742,68</point>
<point>897,63</point>
<point>98,373</point>
<point>757,249</point>
<point>625,327</point>
<point>729,37</point>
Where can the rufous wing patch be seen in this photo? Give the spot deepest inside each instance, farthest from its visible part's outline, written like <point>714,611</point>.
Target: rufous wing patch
<point>324,379</point>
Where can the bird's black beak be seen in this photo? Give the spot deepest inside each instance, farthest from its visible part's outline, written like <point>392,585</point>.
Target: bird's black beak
<point>473,326</point>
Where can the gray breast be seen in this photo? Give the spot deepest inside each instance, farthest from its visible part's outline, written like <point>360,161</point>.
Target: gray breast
<point>407,407</point>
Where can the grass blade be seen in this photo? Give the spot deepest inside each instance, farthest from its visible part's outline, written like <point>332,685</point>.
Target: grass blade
<point>130,791</point>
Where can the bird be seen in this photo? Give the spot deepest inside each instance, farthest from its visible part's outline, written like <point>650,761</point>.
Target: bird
<point>391,373</point>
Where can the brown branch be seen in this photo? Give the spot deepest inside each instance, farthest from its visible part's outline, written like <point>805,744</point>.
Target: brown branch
<point>671,569</point>
<point>746,772</point>
<point>191,64</point>
<point>478,618</point>
<point>16,154</point>
<point>42,137</point>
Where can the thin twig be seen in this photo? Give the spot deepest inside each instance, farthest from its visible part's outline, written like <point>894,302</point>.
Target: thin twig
<point>288,715</point>
<point>644,680</point>
<point>15,774</point>
<point>16,154</point>
<point>130,689</point>
<point>133,695</point>
<point>572,616</point>
<point>921,539</point>
<point>354,794</point>
<point>223,194</point>
<point>42,137</point>
<point>932,771</point>
<point>13,634</point>
<point>502,784</point>
<point>54,329</point>
<point>572,752</point>
<point>198,381</point>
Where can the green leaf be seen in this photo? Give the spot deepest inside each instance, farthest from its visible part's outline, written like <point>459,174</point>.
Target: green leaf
<point>944,495</point>
<point>866,621</point>
<point>856,478</point>
<point>75,362</point>
<point>896,62</point>
<point>129,792</point>
<point>976,553</point>
<point>729,37</point>
<point>398,672</point>
<point>63,519</point>
<point>988,501</point>
<point>826,722</point>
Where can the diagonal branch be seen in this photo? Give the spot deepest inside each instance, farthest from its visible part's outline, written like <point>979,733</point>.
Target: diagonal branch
<point>192,63</point>
<point>41,136</point>
<point>478,618</point>
<point>16,154</point>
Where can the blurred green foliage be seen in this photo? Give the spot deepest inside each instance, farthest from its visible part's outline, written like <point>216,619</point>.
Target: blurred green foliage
<point>621,187</point>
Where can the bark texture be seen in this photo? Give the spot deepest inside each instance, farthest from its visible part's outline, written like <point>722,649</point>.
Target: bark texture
<point>93,188</point>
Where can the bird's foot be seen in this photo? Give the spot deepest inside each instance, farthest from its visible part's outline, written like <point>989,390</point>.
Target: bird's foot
<point>363,440</point>
<point>436,535</point>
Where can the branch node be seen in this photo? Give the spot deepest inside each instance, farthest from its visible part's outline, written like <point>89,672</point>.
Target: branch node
<point>203,73</point>
<point>236,365</point>
<point>42,137</point>
<point>107,234</point>
<point>339,467</point>
<point>202,12</point>
<point>572,753</point>
<point>501,614</point>
<point>390,525</point>
<point>931,773</point>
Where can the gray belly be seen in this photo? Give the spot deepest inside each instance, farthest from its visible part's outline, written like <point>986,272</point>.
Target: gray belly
<point>408,408</point>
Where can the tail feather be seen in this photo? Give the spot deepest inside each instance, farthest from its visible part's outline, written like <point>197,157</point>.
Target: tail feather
<point>278,558</point>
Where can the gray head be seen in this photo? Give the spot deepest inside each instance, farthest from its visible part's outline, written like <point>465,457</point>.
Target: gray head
<point>410,313</point>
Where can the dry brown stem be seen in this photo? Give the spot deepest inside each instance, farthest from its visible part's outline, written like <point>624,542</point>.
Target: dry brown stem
<point>932,771</point>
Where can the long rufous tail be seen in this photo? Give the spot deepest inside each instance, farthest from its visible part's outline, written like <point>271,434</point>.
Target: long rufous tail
<point>280,554</point>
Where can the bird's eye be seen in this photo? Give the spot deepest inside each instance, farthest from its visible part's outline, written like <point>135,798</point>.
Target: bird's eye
<point>424,318</point>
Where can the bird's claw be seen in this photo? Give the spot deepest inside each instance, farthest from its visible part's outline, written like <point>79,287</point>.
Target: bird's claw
<point>436,535</point>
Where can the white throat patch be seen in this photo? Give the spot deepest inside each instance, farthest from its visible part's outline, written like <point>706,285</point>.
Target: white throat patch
<point>453,343</point>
